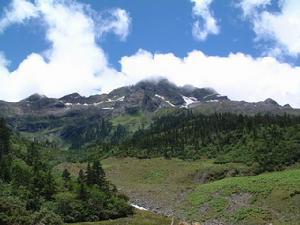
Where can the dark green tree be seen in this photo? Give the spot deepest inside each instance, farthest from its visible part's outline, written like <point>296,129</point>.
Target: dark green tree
<point>67,179</point>
<point>66,175</point>
<point>81,177</point>
<point>90,175</point>
<point>100,177</point>
<point>49,188</point>
<point>4,139</point>
<point>82,192</point>
<point>5,159</point>
<point>33,157</point>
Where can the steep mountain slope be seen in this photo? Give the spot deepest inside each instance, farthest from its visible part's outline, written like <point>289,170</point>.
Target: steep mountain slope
<point>75,117</point>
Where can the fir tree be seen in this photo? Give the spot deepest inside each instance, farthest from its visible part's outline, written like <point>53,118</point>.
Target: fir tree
<point>5,159</point>
<point>49,186</point>
<point>90,175</point>
<point>81,177</point>
<point>100,177</point>
<point>4,139</point>
<point>82,192</point>
<point>66,175</point>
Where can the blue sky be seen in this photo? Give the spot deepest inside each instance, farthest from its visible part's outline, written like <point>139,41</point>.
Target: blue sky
<point>164,27</point>
<point>161,33</point>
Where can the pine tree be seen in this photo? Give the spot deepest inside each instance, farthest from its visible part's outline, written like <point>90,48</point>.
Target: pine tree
<point>81,177</point>
<point>33,157</point>
<point>90,175</point>
<point>99,174</point>
<point>49,186</point>
<point>66,175</point>
<point>4,139</point>
<point>5,159</point>
<point>82,191</point>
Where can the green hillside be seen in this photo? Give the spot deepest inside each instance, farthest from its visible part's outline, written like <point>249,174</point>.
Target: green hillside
<point>264,199</point>
<point>140,218</point>
<point>204,191</point>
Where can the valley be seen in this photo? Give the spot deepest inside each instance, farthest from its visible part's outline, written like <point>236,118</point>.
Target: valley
<point>173,188</point>
<point>165,112</point>
<point>180,152</point>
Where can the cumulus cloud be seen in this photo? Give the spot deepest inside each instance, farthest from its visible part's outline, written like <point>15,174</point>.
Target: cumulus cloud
<point>117,21</point>
<point>76,63</point>
<point>239,76</point>
<point>282,28</point>
<point>205,23</point>
<point>73,63</point>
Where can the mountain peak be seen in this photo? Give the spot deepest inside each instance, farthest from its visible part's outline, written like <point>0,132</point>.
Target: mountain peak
<point>35,97</point>
<point>271,101</point>
<point>287,106</point>
<point>72,98</point>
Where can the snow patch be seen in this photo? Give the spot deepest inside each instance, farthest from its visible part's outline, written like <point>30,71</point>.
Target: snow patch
<point>97,103</point>
<point>159,96</point>
<point>163,98</point>
<point>188,101</point>
<point>120,99</point>
<point>108,108</point>
<point>213,100</point>
<point>139,207</point>
<point>170,104</point>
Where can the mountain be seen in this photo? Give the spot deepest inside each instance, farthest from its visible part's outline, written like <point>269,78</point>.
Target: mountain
<point>77,119</point>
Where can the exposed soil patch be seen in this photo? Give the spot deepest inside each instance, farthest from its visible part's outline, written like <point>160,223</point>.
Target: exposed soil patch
<point>216,173</point>
<point>237,201</point>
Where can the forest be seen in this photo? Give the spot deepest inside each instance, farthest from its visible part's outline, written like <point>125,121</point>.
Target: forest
<point>33,193</point>
<point>268,142</point>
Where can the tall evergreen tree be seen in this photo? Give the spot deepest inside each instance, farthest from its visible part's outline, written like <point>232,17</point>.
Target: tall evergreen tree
<point>33,157</point>
<point>81,177</point>
<point>90,175</point>
<point>82,191</point>
<point>99,174</point>
<point>66,175</point>
<point>4,139</point>
<point>5,159</point>
<point>49,186</point>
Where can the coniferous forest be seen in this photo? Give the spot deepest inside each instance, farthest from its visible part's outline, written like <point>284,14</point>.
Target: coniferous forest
<point>268,142</point>
<point>32,193</point>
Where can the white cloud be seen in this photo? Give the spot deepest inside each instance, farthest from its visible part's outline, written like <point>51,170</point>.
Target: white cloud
<point>282,28</point>
<point>239,76</point>
<point>205,23</point>
<point>117,21</point>
<point>74,63</point>
<point>250,7</point>
<point>3,64</point>
<point>18,11</point>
